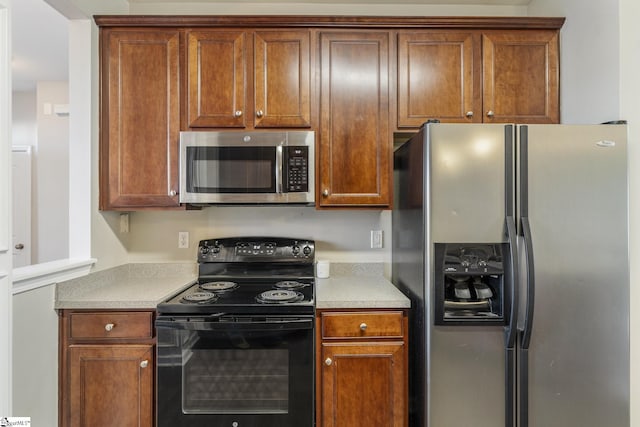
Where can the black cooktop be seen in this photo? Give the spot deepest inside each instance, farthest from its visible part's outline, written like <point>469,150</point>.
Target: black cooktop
<point>247,297</point>
<point>249,275</point>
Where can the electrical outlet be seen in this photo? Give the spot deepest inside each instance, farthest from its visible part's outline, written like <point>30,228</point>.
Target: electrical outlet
<point>124,222</point>
<point>183,239</point>
<point>376,239</point>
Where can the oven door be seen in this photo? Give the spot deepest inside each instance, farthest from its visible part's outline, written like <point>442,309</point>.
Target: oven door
<point>235,371</point>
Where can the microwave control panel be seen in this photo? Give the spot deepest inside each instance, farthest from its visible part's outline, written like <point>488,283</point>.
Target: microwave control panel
<point>297,169</point>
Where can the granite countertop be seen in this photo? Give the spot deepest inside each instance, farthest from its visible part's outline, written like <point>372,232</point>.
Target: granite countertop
<point>358,286</point>
<point>130,286</point>
<point>143,286</point>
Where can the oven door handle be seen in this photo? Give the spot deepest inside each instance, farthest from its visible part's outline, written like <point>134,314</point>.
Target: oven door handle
<point>237,325</point>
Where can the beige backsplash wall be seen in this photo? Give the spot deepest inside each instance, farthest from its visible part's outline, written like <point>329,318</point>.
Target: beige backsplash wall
<point>341,235</point>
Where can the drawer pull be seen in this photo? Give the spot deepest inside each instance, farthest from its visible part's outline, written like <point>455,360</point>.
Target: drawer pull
<point>144,363</point>
<point>328,361</point>
<point>109,327</point>
<point>363,327</point>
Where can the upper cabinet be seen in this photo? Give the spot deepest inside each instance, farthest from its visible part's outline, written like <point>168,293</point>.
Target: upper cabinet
<point>140,119</point>
<point>352,80</point>
<point>355,143</point>
<point>247,79</point>
<point>475,76</point>
<point>439,77</point>
<point>520,76</point>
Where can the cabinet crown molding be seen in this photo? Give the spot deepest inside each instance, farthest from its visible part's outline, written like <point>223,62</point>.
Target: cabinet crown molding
<point>405,22</point>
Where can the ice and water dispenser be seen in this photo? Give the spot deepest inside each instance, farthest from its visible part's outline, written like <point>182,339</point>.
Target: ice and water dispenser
<point>470,283</point>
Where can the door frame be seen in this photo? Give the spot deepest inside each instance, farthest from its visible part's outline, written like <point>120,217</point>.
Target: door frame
<point>6,256</point>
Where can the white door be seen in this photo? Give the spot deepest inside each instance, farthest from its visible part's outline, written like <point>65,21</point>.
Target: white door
<point>5,207</point>
<point>21,187</point>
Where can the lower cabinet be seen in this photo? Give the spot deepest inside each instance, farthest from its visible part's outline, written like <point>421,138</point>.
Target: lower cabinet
<point>362,378</point>
<point>107,369</point>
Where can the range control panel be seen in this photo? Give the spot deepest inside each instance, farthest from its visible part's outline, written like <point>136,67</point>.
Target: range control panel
<point>249,249</point>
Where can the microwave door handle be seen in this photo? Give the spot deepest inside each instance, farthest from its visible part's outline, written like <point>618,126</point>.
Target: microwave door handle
<point>278,171</point>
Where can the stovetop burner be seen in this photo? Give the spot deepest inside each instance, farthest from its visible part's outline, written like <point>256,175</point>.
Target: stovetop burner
<point>279,296</point>
<point>200,297</point>
<point>290,284</point>
<point>225,286</point>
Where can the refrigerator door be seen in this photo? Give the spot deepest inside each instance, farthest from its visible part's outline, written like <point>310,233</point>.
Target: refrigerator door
<point>465,196</point>
<point>574,197</point>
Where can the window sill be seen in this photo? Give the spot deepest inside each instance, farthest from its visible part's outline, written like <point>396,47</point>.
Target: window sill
<point>48,273</point>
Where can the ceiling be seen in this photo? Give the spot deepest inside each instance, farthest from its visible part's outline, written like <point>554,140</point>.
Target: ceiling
<point>39,44</point>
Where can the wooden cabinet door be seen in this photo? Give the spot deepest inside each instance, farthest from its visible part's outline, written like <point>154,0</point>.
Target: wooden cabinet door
<point>216,79</point>
<point>363,385</point>
<point>439,77</point>
<point>140,119</point>
<point>355,143</point>
<point>521,75</point>
<point>282,79</point>
<point>111,385</point>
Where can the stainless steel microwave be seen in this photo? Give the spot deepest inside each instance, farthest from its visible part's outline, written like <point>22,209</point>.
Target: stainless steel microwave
<point>258,167</point>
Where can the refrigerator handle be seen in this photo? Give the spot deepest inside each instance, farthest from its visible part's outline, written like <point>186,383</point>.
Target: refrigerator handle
<point>527,328</point>
<point>530,285</point>
<point>511,329</point>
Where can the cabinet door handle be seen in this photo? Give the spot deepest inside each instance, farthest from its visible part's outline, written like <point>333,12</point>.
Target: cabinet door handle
<point>490,113</point>
<point>19,246</point>
<point>469,114</point>
<point>144,363</point>
<point>109,327</point>
<point>328,361</point>
<point>172,193</point>
<point>325,193</point>
<point>259,114</point>
<point>238,113</point>
<point>363,327</point>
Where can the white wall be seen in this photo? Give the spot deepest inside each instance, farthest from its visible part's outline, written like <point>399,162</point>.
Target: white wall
<point>24,126</point>
<point>392,8</point>
<point>35,359</point>
<point>49,137</point>
<point>51,189</point>
<point>590,60</point>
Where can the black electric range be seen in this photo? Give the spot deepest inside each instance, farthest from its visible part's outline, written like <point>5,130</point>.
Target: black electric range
<point>237,347</point>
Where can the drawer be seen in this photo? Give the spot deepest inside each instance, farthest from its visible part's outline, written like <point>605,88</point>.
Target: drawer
<point>111,325</point>
<point>362,324</point>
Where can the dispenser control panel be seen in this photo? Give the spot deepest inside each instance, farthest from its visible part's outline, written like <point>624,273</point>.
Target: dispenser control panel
<point>470,283</point>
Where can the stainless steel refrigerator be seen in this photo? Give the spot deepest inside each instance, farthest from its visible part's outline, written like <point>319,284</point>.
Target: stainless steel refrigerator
<point>512,243</point>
